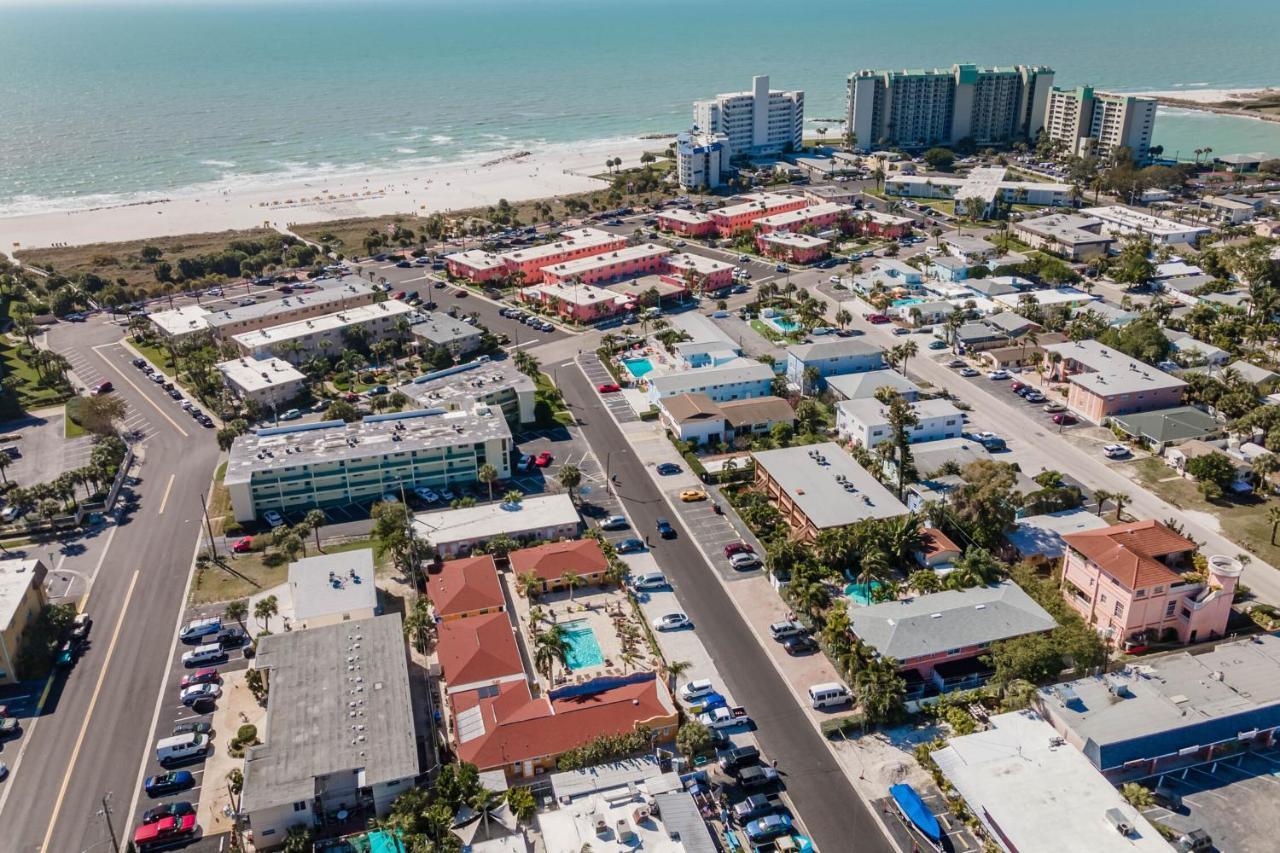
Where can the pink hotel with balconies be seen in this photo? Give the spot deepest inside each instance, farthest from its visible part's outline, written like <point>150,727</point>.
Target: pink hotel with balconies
<point>1126,581</point>
<point>480,266</point>
<point>819,217</point>
<point>687,223</point>
<point>612,265</point>
<point>741,217</point>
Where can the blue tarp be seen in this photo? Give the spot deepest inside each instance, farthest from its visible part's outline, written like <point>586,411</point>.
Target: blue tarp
<point>914,810</point>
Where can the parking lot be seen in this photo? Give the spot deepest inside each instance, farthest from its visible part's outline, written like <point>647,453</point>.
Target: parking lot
<point>714,531</point>
<point>958,839</point>
<point>45,453</point>
<point>599,375</point>
<point>1234,800</point>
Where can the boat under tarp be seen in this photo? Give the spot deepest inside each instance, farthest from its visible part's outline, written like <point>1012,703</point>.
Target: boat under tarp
<point>914,811</point>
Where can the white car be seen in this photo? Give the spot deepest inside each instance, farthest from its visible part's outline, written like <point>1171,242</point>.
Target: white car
<point>1115,451</point>
<point>968,372</point>
<point>200,691</point>
<point>273,518</point>
<point>671,622</point>
<point>426,494</point>
<point>998,374</point>
<point>744,561</point>
<point>696,689</point>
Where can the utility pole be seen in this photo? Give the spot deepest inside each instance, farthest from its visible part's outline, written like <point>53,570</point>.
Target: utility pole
<point>208,526</point>
<point>106,813</point>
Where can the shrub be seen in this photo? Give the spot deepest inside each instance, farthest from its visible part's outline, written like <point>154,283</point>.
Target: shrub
<point>247,733</point>
<point>650,415</point>
<point>842,727</point>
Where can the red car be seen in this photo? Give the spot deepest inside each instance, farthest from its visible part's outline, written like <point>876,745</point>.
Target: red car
<point>103,388</point>
<point>243,546</point>
<point>1015,386</point>
<point>1064,419</point>
<point>164,833</point>
<point>351,397</point>
<point>201,676</point>
<point>544,459</point>
<point>608,387</point>
<point>399,295</point>
<point>876,319</point>
<point>738,548</point>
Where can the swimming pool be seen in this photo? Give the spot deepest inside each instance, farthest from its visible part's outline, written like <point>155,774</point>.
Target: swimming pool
<point>782,323</point>
<point>860,593</point>
<point>637,367</point>
<point>915,300</point>
<point>584,649</point>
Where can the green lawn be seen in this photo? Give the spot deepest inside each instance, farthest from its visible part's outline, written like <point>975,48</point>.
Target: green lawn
<point>30,394</point>
<point>158,356</point>
<point>248,574</point>
<point>1243,521</point>
<point>548,404</point>
<point>71,429</point>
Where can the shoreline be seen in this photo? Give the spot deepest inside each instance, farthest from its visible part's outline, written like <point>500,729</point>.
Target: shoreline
<point>514,175</point>
<point>1213,100</point>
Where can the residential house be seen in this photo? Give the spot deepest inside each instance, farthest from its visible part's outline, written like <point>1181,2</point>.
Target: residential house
<point>465,587</point>
<point>478,652</point>
<point>970,248</point>
<point>1191,351</point>
<point>1165,428</point>
<point>937,639</point>
<point>454,532</point>
<point>1042,535</point>
<point>998,285</point>
<point>756,416</point>
<point>857,386</point>
<point>947,268</point>
<point>836,357</point>
<point>736,379</point>
<point>1127,582</point>
<point>1013,325</point>
<point>1113,315</point>
<point>692,417</point>
<point>1178,456</point>
<point>865,421</point>
<point>1105,382</point>
<point>551,562</point>
<point>937,550</point>
<point>924,312</point>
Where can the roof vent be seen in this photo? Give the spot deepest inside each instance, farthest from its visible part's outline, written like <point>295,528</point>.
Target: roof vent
<point>980,607</point>
<point>935,615</point>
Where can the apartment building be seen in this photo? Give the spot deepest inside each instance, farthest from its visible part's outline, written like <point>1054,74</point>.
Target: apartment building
<point>613,265</point>
<point>864,421</point>
<point>701,159</point>
<point>1120,220</point>
<point>735,218</point>
<point>759,121</point>
<point>1127,582</point>
<point>986,183</point>
<point>919,108</point>
<point>440,331</point>
<point>1076,238</point>
<point>491,383</point>
<point>687,223</point>
<point>326,335</point>
<point>699,273</point>
<point>323,296</point>
<point>793,248</point>
<point>331,463</point>
<point>267,382</point>
<point>576,302</point>
<point>832,358</point>
<point>735,379</point>
<point>475,265</point>
<point>574,244</point>
<point>815,217</point>
<point>1089,122</point>
<point>1106,382</point>
<point>21,601</point>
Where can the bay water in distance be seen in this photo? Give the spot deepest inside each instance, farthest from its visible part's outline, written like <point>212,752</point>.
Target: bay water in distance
<point>104,102</point>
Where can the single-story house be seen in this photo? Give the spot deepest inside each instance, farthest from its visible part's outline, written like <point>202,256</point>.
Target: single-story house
<point>554,560</point>
<point>1178,457</point>
<point>856,386</point>
<point>1195,350</point>
<point>1164,427</point>
<point>936,549</point>
<point>692,417</point>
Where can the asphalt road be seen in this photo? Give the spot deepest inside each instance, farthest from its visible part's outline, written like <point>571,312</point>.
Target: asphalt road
<point>93,732</point>
<point>827,803</point>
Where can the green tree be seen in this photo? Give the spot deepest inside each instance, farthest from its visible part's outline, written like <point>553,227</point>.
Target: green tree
<point>341,410</point>
<point>298,839</point>
<point>550,648</point>
<point>572,581</point>
<point>236,610</point>
<point>513,497</point>
<point>265,609</point>
<point>693,739</point>
<point>940,159</point>
<point>522,803</point>
<point>1214,472</point>
<point>393,535</point>
<point>488,475</point>
<point>570,477</point>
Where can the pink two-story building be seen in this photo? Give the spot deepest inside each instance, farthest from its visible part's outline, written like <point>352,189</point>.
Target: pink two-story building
<point>818,217</point>
<point>579,243</point>
<point>475,265</point>
<point>794,248</point>
<point>706,275</point>
<point>1105,382</point>
<point>613,265</point>
<point>581,303</point>
<point>687,223</point>
<point>736,218</point>
<point>1126,581</point>
<point>876,224</point>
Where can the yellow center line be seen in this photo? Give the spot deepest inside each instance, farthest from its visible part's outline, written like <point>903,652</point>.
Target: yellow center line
<point>135,387</point>
<point>164,501</point>
<point>88,716</point>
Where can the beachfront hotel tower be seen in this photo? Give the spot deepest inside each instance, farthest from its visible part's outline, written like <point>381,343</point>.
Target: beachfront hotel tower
<point>1089,122</point>
<point>759,121</point>
<point>920,108</point>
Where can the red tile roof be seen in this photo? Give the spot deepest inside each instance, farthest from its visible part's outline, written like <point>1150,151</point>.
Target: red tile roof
<point>465,586</point>
<point>478,648</point>
<point>1130,552</point>
<point>933,542</point>
<point>550,561</point>
<point>513,726</point>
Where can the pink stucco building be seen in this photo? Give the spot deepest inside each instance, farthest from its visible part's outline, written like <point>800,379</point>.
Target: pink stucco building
<point>687,223</point>
<point>1105,382</point>
<point>1126,581</point>
<point>475,265</point>
<point>735,218</point>
<point>818,217</point>
<point>705,274</point>
<point>582,303</point>
<point>794,248</point>
<point>877,224</point>
<point>579,243</point>
<point>610,266</point>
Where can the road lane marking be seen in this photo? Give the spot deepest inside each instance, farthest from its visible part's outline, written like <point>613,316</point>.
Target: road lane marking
<point>135,387</point>
<point>88,716</point>
<point>102,558</point>
<point>164,501</point>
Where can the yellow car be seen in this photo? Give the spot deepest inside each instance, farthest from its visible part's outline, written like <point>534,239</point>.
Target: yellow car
<point>691,495</point>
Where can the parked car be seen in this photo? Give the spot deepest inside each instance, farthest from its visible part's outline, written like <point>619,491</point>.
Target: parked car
<point>1115,451</point>
<point>197,728</point>
<point>738,548</point>
<point>199,691</point>
<point>178,809</point>
<point>695,689</point>
<point>768,828</point>
<point>668,468</point>
<point>544,459</point>
<point>208,675</point>
<point>706,703</point>
<point>757,805</point>
<point>608,387</point>
<point>789,628</point>
<point>738,756</point>
<point>802,644</point>
<point>998,374</point>
<point>291,415</point>
<point>693,495</point>
<point>80,627</point>
<point>938,345</point>
<point>758,776</point>
<point>1054,408</point>
<point>1064,419</point>
<point>232,638</point>
<point>197,628</point>
<point>629,546</point>
<point>273,518</point>
<point>103,387</point>
<point>615,522</point>
<point>725,718</point>
<point>665,530</point>
<point>968,372</point>
<point>671,622</point>
<point>744,561</point>
<point>168,783</point>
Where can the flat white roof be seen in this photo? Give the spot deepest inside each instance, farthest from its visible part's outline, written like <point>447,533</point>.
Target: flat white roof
<point>1113,372</point>
<point>808,474</point>
<point>1023,780</point>
<point>690,217</point>
<point>483,522</point>
<point>181,321</point>
<point>697,263</point>
<point>796,241</point>
<point>260,374</point>
<point>804,214</point>
<point>590,263</point>
<point>331,584</point>
<point>882,218</point>
<point>577,294</point>
<point>477,259</point>
<point>982,182</point>
<point>321,291</point>
<point>1127,217</point>
<point>15,578</point>
<point>732,372</point>
<point>756,203</point>
<point>1053,296</point>
<point>575,239</point>
<point>337,320</point>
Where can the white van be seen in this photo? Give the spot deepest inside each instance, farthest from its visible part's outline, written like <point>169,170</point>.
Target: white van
<point>649,580</point>
<point>208,653</point>
<point>829,694</point>
<point>180,748</point>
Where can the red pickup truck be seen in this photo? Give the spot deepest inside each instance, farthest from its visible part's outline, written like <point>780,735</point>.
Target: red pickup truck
<point>169,830</point>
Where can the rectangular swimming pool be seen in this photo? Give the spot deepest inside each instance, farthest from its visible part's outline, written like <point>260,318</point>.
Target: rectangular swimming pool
<point>783,324</point>
<point>637,367</point>
<point>584,649</point>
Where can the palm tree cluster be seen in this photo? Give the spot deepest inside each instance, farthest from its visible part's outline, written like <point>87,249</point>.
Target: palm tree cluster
<point>424,818</point>
<point>59,495</point>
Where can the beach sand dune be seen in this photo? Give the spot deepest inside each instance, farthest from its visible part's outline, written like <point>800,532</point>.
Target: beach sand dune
<point>515,176</point>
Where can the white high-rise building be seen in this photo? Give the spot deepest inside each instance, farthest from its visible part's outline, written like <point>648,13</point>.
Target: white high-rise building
<point>1094,122</point>
<point>942,106</point>
<point>761,121</point>
<point>701,159</point>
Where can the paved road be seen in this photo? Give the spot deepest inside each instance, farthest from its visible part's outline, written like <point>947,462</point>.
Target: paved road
<point>831,810</point>
<point>94,730</point>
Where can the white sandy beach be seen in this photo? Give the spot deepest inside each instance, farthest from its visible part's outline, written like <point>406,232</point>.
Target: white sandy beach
<point>1205,96</point>
<point>556,170</point>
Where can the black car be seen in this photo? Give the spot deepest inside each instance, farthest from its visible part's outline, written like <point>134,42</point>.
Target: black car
<point>801,645</point>
<point>175,393</point>
<point>139,362</point>
<point>203,705</point>
<point>168,783</point>
<point>178,809</point>
<point>231,638</point>
<point>668,468</point>
<point>731,760</point>
<point>665,530</point>
<point>438,285</point>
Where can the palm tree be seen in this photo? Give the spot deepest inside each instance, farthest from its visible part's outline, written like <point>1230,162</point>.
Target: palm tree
<point>313,521</point>
<point>906,351</point>
<point>1273,518</point>
<point>236,610</point>
<point>924,581</point>
<point>570,477</point>
<point>549,648</point>
<point>513,497</point>
<point>528,584</point>
<point>265,609</point>
<point>488,475</point>
<point>876,565</point>
<point>1102,496</point>
<point>5,462</point>
<point>1120,499</point>
<point>527,364</point>
<point>572,581</point>
<point>675,669</point>
<point>843,318</point>
<point>1263,467</point>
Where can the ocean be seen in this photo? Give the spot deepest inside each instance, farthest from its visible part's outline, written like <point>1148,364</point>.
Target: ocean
<point>102,103</point>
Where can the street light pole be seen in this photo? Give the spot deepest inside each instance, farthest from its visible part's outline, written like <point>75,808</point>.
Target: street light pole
<point>106,813</point>
<point>208,526</point>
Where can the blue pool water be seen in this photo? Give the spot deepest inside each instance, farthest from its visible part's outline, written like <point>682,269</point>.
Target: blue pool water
<point>584,650</point>
<point>638,367</point>
<point>783,324</point>
<point>861,593</point>
<point>915,300</point>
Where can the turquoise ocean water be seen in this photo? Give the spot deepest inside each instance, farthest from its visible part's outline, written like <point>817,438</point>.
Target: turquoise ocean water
<point>104,103</point>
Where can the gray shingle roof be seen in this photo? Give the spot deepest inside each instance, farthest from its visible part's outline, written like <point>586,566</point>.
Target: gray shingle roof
<point>932,624</point>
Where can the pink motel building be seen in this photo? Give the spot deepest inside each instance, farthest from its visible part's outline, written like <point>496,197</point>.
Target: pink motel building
<point>707,274</point>
<point>793,248</point>
<point>609,266</point>
<point>475,265</point>
<point>741,217</point>
<point>1126,581</point>
<point>877,224</point>
<point>687,223</point>
<point>819,217</point>
<point>572,245</point>
<point>583,303</point>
